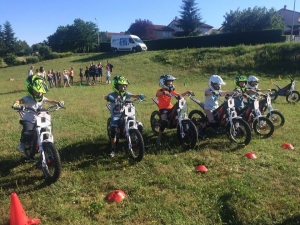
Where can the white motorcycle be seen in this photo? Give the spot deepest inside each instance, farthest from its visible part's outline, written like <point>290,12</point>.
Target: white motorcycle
<point>130,129</point>
<point>43,142</point>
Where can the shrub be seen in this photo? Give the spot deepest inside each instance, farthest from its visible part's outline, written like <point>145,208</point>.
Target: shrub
<point>53,55</point>
<point>10,59</point>
<point>32,60</point>
<point>65,54</point>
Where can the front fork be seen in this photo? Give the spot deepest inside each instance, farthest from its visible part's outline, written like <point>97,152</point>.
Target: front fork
<point>133,125</point>
<point>40,139</point>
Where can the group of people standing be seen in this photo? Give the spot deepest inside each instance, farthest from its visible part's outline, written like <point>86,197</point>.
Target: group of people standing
<point>92,73</point>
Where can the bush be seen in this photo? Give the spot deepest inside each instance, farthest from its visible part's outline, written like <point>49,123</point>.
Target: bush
<point>10,59</point>
<point>65,54</point>
<point>53,55</point>
<point>32,60</point>
<point>0,62</point>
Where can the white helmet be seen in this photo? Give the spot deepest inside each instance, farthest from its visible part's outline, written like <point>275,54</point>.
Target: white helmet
<point>163,81</point>
<point>215,82</point>
<point>252,82</point>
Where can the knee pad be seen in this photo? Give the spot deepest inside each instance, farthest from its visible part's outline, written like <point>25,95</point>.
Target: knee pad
<point>164,124</point>
<point>113,132</point>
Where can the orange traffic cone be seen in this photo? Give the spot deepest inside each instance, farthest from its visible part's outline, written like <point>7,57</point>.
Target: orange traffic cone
<point>17,213</point>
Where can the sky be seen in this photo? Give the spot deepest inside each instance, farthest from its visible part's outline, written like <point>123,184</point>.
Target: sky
<point>35,20</point>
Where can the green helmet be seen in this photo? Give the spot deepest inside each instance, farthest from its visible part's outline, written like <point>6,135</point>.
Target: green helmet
<point>238,79</point>
<point>36,83</point>
<point>119,80</point>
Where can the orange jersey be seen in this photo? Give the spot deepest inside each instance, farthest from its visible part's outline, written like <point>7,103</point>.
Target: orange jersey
<point>164,101</point>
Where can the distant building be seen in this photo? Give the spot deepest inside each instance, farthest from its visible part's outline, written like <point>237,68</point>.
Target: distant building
<point>205,29</point>
<point>163,31</point>
<point>288,16</point>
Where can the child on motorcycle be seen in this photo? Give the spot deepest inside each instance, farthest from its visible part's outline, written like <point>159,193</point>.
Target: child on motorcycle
<point>119,94</point>
<point>36,88</point>
<point>211,101</point>
<point>164,101</point>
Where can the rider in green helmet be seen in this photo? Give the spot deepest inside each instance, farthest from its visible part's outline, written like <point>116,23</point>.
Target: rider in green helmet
<point>36,88</point>
<point>119,95</point>
<point>240,83</point>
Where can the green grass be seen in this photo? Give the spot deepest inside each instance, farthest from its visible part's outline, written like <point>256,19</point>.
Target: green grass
<point>164,187</point>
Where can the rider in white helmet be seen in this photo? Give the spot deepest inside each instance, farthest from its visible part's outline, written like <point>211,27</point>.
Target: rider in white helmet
<point>252,86</point>
<point>211,100</point>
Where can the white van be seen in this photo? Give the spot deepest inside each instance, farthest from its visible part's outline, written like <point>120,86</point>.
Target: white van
<point>127,42</point>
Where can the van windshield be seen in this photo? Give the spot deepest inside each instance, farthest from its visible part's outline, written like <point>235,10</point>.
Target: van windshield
<point>137,40</point>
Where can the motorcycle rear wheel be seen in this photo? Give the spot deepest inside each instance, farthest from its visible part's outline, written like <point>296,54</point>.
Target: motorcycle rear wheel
<point>273,94</point>
<point>155,122</point>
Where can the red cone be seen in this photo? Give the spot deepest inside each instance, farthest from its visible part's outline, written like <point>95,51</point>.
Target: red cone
<point>287,145</point>
<point>201,169</point>
<point>116,196</point>
<point>17,213</point>
<point>250,155</point>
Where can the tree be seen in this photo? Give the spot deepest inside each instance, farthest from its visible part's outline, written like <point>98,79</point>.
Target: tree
<point>9,38</point>
<point>258,18</point>
<point>79,37</point>
<point>2,45</point>
<point>190,18</point>
<point>143,28</point>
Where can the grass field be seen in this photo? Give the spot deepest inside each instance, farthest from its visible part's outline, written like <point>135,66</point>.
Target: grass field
<point>164,187</point>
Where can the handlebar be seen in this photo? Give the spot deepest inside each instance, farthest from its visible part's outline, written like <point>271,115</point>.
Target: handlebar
<point>23,108</point>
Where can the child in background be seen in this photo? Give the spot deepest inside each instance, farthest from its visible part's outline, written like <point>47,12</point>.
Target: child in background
<point>66,78</point>
<point>107,74</point>
<point>80,75</point>
<point>58,79</point>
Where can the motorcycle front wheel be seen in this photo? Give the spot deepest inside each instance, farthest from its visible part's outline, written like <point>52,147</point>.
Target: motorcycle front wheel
<point>155,122</point>
<point>137,150</point>
<point>187,135</point>
<point>52,168</point>
<point>293,97</point>
<point>239,131</point>
<point>264,127</point>
<point>277,119</point>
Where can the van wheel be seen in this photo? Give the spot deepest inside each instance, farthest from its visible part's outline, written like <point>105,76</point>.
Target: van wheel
<point>133,49</point>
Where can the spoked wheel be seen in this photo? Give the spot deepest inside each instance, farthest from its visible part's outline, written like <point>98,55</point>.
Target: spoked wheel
<point>155,122</point>
<point>293,97</point>
<point>273,94</point>
<point>188,136</point>
<point>239,132</point>
<point>137,150</point>
<point>52,167</point>
<point>277,118</point>
<point>196,116</point>
<point>264,127</point>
